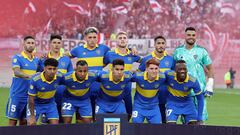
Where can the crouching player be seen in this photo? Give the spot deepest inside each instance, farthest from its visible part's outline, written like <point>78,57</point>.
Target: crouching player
<point>146,96</point>
<point>179,102</point>
<point>41,93</point>
<point>77,96</point>
<point>113,90</point>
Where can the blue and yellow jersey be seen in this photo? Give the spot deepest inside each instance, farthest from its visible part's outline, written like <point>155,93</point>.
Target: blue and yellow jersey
<point>110,90</point>
<point>94,57</point>
<point>147,91</point>
<point>43,90</point>
<point>180,91</point>
<point>166,62</point>
<point>128,58</point>
<point>64,63</point>
<point>78,89</point>
<point>28,66</point>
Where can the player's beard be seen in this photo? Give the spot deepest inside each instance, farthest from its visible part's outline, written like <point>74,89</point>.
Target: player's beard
<point>30,49</point>
<point>190,43</point>
<point>160,50</point>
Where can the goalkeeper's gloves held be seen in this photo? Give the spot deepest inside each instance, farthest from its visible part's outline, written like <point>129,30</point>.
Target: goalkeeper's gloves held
<point>209,87</point>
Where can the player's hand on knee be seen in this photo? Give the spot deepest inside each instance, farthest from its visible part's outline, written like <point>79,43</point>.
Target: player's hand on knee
<point>209,88</point>
<point>32,120</point>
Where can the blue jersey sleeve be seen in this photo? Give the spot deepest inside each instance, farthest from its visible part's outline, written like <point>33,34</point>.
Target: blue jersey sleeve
<point>142,65</point>
<point>70,66</point>
<point>74,51</point>
<point>41,65</point>
<point>196,88</point>
<point>32,89</point>
<point>106,59</point>
<point>15,62</point>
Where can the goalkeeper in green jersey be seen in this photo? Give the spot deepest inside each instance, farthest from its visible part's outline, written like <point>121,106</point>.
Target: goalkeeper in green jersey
<point>197,58</point>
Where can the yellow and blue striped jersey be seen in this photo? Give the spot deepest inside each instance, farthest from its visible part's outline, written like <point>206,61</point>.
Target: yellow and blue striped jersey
<point>110,90</point>
<point>128,58</point>
<point>43,90</point>
<point>78,89</point>
<point>166,62</point>
<point>64,63</point>
<point>180,91</point>
<point>19,86</point>
<point>94,57</point>
<point>147,91</point>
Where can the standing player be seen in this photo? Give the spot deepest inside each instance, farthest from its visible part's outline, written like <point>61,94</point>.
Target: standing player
<point>146,96</point>
<point>196,58</point>
<point>166,63</point>
<point>113,83</point>
<point>24,65</point>
<point>41,93</point>
<point>180,102</point>
<point>77,95</point>
<point>122,52</point>
<point>64,66</point>
<point>93,53</point>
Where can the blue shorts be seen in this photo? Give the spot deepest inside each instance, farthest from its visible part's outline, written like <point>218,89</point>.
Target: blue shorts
<point>49,110</point>
<point>151,114</point>
<point>16,108</point>
<point>187,110</point>
<point>70,106</point>
<point>110,107</point>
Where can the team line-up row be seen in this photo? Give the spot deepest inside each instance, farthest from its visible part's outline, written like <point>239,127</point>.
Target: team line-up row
<point>166,86</point>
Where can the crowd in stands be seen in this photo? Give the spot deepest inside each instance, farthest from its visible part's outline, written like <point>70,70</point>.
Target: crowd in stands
<point>140,21</point>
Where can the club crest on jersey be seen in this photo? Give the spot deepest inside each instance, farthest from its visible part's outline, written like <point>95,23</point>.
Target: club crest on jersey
<point>98,52</point>
<point>31,86</point>
<point>167,63</point>
<point>84,53</point>
<point>108,86</point>
<point>26,65</point>
<point>156,85</point>
<point>142,85</point>
<point>42,88</point>
<point>14,60</point>
<point>88,84</point>
<point>195,56</point>
<point>129,59</point>
<point>122,86</point>
<point>73,86</point>
<point>171,84</point>
<point>63,64</point>
<point>185,88</point>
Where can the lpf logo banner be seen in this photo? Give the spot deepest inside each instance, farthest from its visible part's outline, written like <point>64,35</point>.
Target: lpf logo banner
<point>111,126</point>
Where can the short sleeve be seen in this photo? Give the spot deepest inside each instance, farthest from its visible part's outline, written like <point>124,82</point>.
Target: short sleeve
<point>15,62</point>
<point>196,88</point>
<point>32,88</point>
<point>74,52</point>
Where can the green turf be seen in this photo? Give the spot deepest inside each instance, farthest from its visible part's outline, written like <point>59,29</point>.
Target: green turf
<point>223,107</point>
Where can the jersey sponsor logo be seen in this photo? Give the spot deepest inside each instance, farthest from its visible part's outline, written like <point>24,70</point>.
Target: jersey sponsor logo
<point>98,52</point>
<point>156,85</point>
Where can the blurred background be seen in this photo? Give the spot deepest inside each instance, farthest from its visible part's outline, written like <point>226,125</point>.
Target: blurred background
<point>217,23</point>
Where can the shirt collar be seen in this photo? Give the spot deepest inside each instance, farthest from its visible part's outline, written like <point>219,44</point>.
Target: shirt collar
<point>186,79</point>
<point>86,46</point>
<point>26,57</point>
<point>146,77</point>
<point>111,77</point>
<point>44,79</point>
<point>118,52</point>
<point>60,55</point>
<point>75,78</point>
<point>155,56</point>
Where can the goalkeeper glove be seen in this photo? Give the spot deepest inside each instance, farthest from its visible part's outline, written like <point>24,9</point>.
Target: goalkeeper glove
<point>209,87</point>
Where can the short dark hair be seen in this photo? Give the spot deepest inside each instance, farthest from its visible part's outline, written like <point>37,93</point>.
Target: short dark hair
<point>90,30</point>
<point>28,37</point>
<point>51,62</point>
<point>153,61</point>
<point>159,37</point>
<point>180,61</point>
<point>190,28</point>
<point>117,62</point>
<point>54,36</point>
<point>81,63</point>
